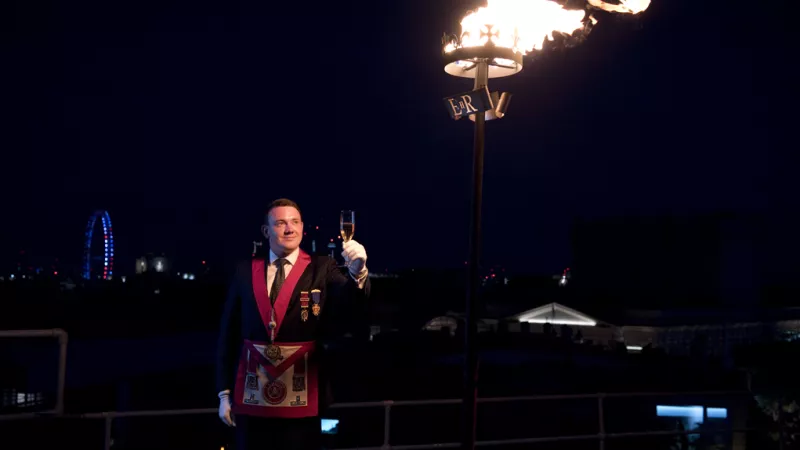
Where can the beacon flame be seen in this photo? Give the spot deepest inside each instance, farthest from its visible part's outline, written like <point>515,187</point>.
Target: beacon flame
<point>624,7</point>
<point>523,26</point>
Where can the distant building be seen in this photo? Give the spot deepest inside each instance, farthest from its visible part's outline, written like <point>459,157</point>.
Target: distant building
<point>158,264</point>
<point>552,317</point>
<point>141,265</point>
<point>676,332</point>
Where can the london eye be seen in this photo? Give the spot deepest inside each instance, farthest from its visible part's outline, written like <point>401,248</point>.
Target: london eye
<point>98,260</point>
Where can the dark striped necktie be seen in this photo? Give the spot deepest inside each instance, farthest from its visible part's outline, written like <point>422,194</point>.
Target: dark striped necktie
<point>280,277</point>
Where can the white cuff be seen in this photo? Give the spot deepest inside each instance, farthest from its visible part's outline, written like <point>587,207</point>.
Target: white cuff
<point>224,394</point>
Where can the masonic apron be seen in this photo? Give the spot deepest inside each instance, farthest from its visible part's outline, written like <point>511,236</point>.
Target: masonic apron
<point>276,379</point>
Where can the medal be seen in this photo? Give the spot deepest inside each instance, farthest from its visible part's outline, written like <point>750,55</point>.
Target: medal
<point>304,306</point>
<point>274,352</point>
<point>273,324</point>
<point>316,295</point>
<point>275,392</point>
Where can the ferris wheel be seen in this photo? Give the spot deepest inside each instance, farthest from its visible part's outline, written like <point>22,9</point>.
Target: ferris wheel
<point>102,257</point>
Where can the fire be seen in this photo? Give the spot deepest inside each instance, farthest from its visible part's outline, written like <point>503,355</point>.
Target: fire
<point>522,25</point>
<point>625,6</point>
<point>525,25</point>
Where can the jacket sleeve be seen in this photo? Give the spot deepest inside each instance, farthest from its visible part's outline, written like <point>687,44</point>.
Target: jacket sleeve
<point>347,302</point>
<point>229,341</point>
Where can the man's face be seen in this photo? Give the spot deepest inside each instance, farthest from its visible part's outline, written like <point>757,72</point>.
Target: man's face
<point>284,229</point>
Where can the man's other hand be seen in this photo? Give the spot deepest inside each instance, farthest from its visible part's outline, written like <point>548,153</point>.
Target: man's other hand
<point>225,409</point>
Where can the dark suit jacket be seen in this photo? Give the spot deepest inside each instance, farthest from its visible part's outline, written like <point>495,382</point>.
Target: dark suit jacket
<point>340,298</point>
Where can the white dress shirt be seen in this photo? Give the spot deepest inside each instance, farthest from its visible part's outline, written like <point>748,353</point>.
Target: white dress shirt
<point>272,269</point>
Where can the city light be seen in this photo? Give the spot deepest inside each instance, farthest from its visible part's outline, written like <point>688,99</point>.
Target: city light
<point>556,314</point>
<point>693,413</point>
<point>108,245</point>
<point>717,413</point>
<point>586,323</point>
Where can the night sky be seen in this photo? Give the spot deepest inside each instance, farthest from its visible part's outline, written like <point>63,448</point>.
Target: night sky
<point>185,118</point>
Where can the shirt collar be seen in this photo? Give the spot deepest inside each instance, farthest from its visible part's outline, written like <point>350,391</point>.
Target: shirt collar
<point>291,257</point>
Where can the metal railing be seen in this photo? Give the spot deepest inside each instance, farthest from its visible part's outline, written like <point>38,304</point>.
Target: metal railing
<point>61,335</point>
<point>601,436</point>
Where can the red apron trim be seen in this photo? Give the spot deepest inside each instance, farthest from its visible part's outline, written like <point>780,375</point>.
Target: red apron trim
<point>284,296</point>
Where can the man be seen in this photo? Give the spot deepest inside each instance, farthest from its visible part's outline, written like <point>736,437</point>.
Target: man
<point>268,357</point>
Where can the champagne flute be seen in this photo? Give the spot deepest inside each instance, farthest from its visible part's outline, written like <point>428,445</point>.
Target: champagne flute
<point>347,227</point>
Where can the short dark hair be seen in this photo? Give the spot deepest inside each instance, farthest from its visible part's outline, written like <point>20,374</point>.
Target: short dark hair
<point>278,203</point>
